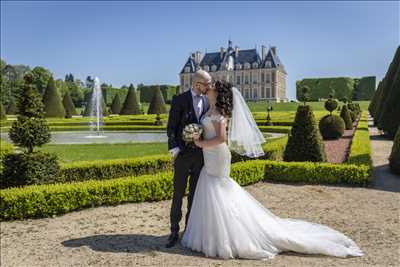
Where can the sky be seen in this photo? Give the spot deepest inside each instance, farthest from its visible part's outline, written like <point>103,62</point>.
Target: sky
<point>148,42</point>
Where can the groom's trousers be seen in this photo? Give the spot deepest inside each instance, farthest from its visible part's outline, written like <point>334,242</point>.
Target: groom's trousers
<point>187,163</point>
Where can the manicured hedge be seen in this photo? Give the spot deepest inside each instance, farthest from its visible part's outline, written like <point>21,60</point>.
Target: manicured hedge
<point>107,169</point>
<point>360,151</point>
<point>56,199</point>
<point>48,200</point>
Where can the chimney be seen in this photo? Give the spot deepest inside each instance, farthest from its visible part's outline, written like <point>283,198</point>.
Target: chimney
<point>197,57</point>
<point>273,48</point>
<point>222,52</point>
<point>263,52</point>
<point>236,51</point>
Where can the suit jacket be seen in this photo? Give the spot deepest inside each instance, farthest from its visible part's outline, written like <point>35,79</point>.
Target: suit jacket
<point>181,114</point>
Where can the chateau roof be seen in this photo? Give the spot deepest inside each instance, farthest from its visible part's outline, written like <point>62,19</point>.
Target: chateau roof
<point>244,56</point>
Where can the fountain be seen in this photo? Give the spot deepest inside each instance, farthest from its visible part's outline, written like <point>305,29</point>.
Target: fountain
<point>96,112</point>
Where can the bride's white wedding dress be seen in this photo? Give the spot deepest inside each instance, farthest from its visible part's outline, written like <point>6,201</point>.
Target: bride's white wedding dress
<point>227,222</point>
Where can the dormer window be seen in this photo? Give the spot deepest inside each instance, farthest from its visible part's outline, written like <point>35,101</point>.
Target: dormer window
<point>206,68</point>
<point>213,68</point>
<point>247,65</point>
<point>238,66</point>
<point>187,69</point>
<point>268,64</point>
<point>255,65</point>
<point>198,68</point>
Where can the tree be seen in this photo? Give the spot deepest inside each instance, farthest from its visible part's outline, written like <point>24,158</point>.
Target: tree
<point>131,104</point>
<point>69,78</point>
<point>68,106</point>
<point>157,104</point>
<point>116,105</point>
<point>305,94</point>
<point>41,77</point>
<point>305,142</point>
<point>53,106</point>
<point>2,112</point>
<point>76,92</point>
<point>345,114</point>
<point>394,159</point>
<point>88,107</point>
<point>11,107</point>
<point>30,129</point>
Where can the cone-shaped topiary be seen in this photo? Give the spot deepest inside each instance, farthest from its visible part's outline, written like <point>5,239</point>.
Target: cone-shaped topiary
<point>12,107</point>
<point>394,159</point>
<point>305,142</point>
<point>116,105</point>
<point>30,129</point>
<point>2,112</point>
<point>69,106</point>
<point>131,104</point>
<point>345,114</point>
<point>53,106</point>
<point>331,127</point>
<point>390,116</point>
<point>157,104</point>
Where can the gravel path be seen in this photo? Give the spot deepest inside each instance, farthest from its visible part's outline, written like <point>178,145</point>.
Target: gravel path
<point>134,234</point>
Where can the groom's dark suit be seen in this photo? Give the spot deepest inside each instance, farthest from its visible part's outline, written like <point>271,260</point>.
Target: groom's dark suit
<point>190,158</point>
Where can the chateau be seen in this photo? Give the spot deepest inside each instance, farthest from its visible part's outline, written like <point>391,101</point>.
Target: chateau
<point>256,77</point>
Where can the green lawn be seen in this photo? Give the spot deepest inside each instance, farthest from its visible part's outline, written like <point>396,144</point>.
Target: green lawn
<point>87,152</point>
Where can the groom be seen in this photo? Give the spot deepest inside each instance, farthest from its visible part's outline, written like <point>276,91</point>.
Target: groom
<point>186,108</point>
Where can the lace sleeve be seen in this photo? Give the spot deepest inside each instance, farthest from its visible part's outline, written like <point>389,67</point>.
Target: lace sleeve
<point>217,118</point>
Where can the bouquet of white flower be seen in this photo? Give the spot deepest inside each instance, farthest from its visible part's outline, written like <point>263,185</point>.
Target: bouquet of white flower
<point>190,130</point>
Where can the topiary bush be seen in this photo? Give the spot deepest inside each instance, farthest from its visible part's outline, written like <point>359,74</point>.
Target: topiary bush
<point>30,129</point>
<point>394,159</point>
<point>331,127</point>
<point>30,168</point>
<point>331,104</point>
<point>345,115</point>
<point>305,142</point>
<point>53,106</point>
<point>69,106</point>
<point>11,108</point>
<point>353,116</point>
<point>131,104</point>
<point>116,105</point>
<point>2,112</point>
<point>157,104</point>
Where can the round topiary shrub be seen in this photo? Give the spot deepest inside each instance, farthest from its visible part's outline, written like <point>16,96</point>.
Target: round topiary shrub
<point>345,115</point>
<point>331,127</point>
<point>305,142</point>
<point>331,104</point>
<point>30,168</point>
<point>394,159</point>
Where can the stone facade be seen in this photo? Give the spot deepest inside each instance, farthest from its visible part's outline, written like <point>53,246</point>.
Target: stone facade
<point>257,77</point>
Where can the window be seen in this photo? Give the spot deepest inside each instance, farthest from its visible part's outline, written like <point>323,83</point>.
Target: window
<point>247,65</point>
<point>246,79</point>
<point>268,78</point>
<point>238,80</point>
<point>213,68</point>
<point>238,66</point>
<point>268,64</point>
<point>255,93</point>
<point>187,69</point>
<point>182,80</point>
<point>246,93</point>
<point>263,92</point>
<point>255,65</point>
<point>254,76</point>
<point>262,77</point>
<point>273,77</point>
<point>206,68</point>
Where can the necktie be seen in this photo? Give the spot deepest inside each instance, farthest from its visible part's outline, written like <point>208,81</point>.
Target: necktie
<point>197,105</point>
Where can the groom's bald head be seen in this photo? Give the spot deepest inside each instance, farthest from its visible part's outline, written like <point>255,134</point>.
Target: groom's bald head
<point>201,81</point>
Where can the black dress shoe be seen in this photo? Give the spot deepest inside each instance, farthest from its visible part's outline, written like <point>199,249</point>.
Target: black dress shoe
<point>172,240</point>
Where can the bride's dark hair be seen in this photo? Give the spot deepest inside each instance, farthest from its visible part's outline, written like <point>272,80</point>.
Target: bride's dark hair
<point>224,98</point>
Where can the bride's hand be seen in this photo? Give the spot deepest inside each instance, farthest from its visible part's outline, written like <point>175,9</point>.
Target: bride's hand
<point>196,139</point>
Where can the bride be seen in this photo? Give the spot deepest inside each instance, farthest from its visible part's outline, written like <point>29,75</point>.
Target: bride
<point>225,220</point>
